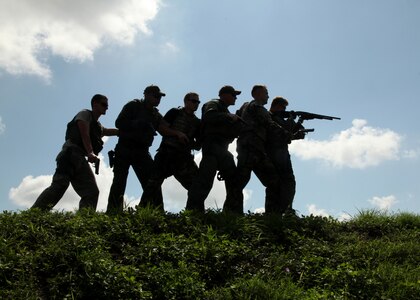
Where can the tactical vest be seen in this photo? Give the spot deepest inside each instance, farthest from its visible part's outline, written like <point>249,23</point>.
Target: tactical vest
<point>144,123</point>
<point>189,124</point>
<point>95,132</point>
<point>225,128</point>
<point>257,119</point>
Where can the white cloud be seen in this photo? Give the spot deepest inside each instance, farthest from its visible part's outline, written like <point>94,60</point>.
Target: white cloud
<point>170,47</point>
<point>259,210</point>
<point>130,201</point>
<point>383,203</point>
<point>174,195</point>
<point>31,30</point>
<point>25,194</point>
<point>358,147</point>
<point>321,212</point>
<point>343,217</point>
<point>2,126</point>
<point>313,210</point>
<point>411,154</point>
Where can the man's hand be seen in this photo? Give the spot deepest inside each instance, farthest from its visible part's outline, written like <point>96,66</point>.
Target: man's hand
<point>234,117</point>
<point>92,157</point>
<point>182,137</point>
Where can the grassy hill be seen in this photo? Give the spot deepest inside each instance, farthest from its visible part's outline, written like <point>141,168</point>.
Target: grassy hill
<point>145,254</point>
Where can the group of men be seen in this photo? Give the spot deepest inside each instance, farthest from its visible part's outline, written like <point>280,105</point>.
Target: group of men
<point>262,146</point>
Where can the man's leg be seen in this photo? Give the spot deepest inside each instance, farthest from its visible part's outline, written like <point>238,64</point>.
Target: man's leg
<point>283,164</point>
<point>52,194</point>
<point>60,182</point>
<point>236,178</point>
<point>116,193</point>
<point>84,184</point>
<point>269,177</point>
<point>202,184</point>
<point>143,167</point>
<point>153,188</point>
<point>185,170</point>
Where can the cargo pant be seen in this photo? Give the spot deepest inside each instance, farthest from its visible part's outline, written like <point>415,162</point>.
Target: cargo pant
<point>215,157</point>
<point>72,167</point>
<point>250,159</point>
<point>168,162</point>
<point>141,161</point>
<point>281,159</point>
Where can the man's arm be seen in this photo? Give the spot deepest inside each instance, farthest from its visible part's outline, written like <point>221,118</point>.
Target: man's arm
<point>110,131</point>
<point>165,130</point>
<point>213,116</point>
<point>84,133</point>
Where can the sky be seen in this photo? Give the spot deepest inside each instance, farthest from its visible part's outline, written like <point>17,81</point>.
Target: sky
<point>358,60</point>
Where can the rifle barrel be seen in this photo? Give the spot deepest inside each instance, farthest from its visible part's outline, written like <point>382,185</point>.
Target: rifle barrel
<point>331,118</point>
<point>308,116</point>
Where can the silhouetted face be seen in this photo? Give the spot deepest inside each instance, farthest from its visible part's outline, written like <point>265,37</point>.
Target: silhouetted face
<point>261,95</point>
<point>228,98</point>
<point>101,106</point>
<point>153,99</point>
<point>282,107</point>
<point>192,103</point>
<point>278,107</point>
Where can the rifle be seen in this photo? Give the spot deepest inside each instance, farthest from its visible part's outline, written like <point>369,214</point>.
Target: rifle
<point>303,115</point>
<point>97,162</point>
<point>304,131</point>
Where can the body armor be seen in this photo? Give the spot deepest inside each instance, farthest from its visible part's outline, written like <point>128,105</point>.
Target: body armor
<point>95,132</point>
<point>186,123</point>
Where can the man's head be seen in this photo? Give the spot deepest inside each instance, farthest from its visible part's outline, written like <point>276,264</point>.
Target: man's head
<point>260,93</point>
<point>191,102</point>
<point>99,104</point>
<point>279,104</point>
<point>153,94</point>
<point>228,94</point>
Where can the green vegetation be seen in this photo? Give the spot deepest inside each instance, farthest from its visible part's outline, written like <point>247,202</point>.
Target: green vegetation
<point>146,254</point>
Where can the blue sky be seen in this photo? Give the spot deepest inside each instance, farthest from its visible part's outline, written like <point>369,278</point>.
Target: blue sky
<point>358,60</point>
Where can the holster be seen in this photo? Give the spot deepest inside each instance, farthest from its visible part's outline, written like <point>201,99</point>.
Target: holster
<point>111,157</point>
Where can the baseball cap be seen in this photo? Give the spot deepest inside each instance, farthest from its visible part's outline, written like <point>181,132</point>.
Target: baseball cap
<point>227,89</point>
<point>153,89</point>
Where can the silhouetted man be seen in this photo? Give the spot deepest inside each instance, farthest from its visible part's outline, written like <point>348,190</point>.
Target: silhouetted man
<point>83,140</point>
<point>252,154</point>
<point>219,129</point>
<point>138,123</point>
<point>278,149</point>
<point>174,156</point>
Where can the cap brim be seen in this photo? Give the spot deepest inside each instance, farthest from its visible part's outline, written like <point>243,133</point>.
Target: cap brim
<point>238,92</point>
